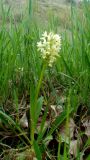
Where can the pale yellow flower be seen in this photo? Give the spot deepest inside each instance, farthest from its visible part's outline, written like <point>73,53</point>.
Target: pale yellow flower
<point>49,46</point>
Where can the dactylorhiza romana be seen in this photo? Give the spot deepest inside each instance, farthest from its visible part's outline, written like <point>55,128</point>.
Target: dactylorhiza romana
<point>49,47</point>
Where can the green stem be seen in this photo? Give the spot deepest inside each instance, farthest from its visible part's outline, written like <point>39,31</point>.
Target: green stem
<point>35,102</point>
<point>40,82</point>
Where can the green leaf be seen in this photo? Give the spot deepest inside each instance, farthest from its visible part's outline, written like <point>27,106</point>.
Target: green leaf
<point>32,99</point>
<point>38,109</point>
<point>88,158</point>
<point>7,120</point>
<point>42,128</point>
<point>58,121</point>
<point>37,150</point>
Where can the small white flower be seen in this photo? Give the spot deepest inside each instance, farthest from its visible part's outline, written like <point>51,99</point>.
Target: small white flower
<point>45,34</point>
<point>49,46</point>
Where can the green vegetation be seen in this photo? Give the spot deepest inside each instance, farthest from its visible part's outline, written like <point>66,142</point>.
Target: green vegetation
<point>55,95</point>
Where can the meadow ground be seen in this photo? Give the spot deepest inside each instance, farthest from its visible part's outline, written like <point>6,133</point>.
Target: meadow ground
<point>44,111</point>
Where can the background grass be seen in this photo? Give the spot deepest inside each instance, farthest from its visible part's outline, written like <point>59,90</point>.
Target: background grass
<point>21,65</point>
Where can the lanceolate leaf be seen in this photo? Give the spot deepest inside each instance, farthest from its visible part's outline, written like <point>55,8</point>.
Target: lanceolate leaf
<point>37,150</point>
<point>58,121</point>
<point>38,109</point>
<point>7,120</point>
